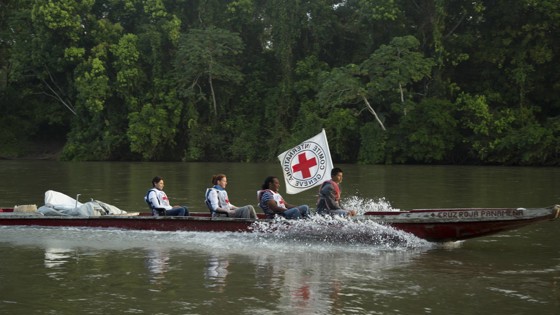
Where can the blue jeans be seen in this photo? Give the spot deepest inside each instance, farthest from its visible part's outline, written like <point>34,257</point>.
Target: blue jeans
<point>297,212</point>
<point>179,211</point>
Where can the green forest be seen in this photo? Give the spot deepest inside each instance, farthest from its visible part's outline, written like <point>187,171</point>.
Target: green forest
<point>391,81</point>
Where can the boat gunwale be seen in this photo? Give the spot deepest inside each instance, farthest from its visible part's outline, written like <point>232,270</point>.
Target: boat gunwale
<point>421,223</point>
<point>386,217</point>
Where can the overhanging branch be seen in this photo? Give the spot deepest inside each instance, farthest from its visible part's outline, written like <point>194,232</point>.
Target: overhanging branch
<point>56,95</point>
<point>373,112</point>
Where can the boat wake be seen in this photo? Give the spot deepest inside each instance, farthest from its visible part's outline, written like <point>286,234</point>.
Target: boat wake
<point>363,205</point>
<point>337,230</point>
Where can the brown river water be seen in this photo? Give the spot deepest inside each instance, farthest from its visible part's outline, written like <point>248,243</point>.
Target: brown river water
<point>81,271</point>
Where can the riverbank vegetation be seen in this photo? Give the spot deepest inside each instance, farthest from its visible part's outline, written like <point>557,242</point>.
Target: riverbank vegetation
<point>391,81</point>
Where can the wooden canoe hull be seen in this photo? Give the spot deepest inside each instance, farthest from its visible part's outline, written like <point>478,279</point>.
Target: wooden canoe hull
<point>440,225</point>
<point>435,225</point>
<point>141,222</point>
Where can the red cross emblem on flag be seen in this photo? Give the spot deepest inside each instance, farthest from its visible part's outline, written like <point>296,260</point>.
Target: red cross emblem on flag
<point>307,164</point>
<point>304,165</point>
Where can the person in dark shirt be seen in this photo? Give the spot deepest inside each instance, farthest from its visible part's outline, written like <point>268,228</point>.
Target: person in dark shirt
<point>329,196</point>
<point>272,203</point>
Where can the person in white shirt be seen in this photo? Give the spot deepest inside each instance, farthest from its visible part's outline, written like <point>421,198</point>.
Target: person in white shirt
<point>218,202</point>
<point>159,203</point>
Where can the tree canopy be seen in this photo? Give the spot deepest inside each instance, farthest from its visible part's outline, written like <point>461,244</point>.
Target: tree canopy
<point>445,82</point>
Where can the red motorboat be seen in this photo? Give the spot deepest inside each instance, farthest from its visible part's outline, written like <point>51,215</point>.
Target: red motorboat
<point>435,225</point>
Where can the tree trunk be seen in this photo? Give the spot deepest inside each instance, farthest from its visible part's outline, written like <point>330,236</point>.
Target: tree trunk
<point>212,90</point>
<point>402,98</point>
<point>373,112</point>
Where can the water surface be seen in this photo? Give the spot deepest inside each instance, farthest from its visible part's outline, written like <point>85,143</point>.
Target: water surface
<point>71,271</point>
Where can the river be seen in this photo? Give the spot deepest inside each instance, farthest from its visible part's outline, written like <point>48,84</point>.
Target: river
<point>70,270</point>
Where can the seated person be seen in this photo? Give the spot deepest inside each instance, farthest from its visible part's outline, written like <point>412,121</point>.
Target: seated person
<point>159,203</point>
<point>218,202</point>
<point>272,203</point>
<point>329,196</point>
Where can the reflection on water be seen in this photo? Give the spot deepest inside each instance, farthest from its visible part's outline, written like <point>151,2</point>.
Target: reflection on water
<point>216,272</point>
<point>55,257</point>
<point>157,263</point>
<point>112,271</point>
<point>281,275</point>
<point>320,282</point>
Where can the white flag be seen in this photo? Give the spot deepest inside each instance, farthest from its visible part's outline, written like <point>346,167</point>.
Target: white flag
<point>307,165</point>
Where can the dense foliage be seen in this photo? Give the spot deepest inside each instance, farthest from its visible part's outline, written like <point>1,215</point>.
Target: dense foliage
<point>391,81</point>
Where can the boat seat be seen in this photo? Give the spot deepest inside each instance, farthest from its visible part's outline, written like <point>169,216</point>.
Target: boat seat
<point>160,211</point>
